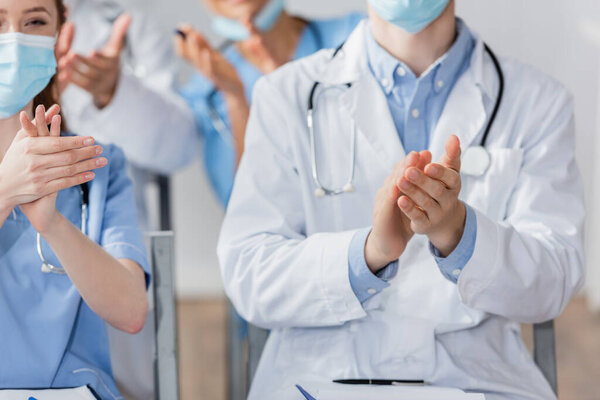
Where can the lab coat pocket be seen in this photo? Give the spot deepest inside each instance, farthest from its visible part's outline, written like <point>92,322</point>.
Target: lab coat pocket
<point>315,349</point>
<point>490,192</point>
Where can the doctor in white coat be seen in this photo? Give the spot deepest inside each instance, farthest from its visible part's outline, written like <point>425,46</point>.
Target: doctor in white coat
<point>422,272</point>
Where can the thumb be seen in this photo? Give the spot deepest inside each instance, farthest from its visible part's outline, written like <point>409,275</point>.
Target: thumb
<point>65,40</point>
<point>451,157</point>
<point>116,42</point>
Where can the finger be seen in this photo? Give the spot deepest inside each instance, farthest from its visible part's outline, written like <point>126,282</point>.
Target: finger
<point>87,67</point>
<point>116,42</point>
<point>51,145</point>
<point>420,198</point>
<point>40,121</point>
<point>449,177</point>
<point>55,126</point>
<point>77,78</point>
<point>411,160</point>
<point>70,157</point>
<point>75,169</point>
<point>416,216</point>
<point>65,183</point>
<point>101,61</point>
<point>425,158</point>
<point>27,125</point>
<point>433,187</point>
<point>451,157</point>
<point>51,113</point>
<point>180,46</point>
<point>64,40</point>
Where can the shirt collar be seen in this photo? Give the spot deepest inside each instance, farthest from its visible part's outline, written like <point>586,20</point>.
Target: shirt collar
<point>444,70</point>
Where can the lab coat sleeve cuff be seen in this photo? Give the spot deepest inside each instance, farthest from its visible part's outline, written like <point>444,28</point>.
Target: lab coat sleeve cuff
<point>364,283</point>
<point>338,292</point>
<point>452,265</point>
<point>131,252</point>
<point>482,268</point>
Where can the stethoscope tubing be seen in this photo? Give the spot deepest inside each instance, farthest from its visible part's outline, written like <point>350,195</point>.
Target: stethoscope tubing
<point>321,190</point>
<point>46,266</point>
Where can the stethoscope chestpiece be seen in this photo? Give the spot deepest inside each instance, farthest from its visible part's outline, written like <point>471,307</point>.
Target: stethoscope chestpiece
<point>319,192</point>
<point>46,268</point>
<point>475,161</point>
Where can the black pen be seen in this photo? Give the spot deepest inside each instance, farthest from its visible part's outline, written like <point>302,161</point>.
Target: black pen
<point>180,33</point>
<point>392,382</point>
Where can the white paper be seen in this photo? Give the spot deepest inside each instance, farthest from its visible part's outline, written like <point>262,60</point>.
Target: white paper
<point>335,391</point>
<point>80,393</point>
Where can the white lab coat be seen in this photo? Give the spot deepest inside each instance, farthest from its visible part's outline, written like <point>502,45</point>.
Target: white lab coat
<point>284,252</point>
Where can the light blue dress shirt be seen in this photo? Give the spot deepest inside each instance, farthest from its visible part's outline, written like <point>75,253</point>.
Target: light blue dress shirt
<point>49,337</point>
<point>416,105</point>
<point>219,151</point>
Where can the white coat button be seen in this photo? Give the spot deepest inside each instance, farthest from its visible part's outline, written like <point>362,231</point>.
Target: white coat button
<point>440,84</point>
<point>456,272</point>
<point>371,291</point>
<point>385,82</point>
<point>415,113</point>
<point>401,71</point>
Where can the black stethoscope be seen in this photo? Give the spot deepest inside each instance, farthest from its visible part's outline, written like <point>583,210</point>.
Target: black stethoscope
<point>85,201</point>
<point>217,121</point>
<point>475,160</point>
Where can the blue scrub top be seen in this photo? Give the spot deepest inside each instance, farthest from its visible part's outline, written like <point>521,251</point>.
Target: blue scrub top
<point>218,149</point>
<point>49,337</point>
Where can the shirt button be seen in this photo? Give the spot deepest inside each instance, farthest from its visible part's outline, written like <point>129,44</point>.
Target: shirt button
<point>440,84</point>
<point>371,291</point>
<point>456,272</point>
<point>415,113</point>
<point>385,82</point>
<point>401,71</point>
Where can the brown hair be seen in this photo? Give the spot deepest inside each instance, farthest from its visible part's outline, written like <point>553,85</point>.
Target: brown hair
<point>49,95</point>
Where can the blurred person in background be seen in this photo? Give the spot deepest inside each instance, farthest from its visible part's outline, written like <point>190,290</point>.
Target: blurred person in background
<point>117,74</point>
<point>260,37</point>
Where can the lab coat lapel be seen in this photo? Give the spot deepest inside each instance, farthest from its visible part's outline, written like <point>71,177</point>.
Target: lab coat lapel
<point>368,108</point>
<point>464,116</point>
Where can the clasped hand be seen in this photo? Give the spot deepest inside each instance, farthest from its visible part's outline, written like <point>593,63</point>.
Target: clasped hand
<point>39,163</point>
<point>418,197</point>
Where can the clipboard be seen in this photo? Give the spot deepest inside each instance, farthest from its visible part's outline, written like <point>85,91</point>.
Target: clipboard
<point>78,393</point>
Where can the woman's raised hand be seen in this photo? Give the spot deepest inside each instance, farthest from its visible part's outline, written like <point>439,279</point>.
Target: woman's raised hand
<point>40,162</point>
<point>208,61</point>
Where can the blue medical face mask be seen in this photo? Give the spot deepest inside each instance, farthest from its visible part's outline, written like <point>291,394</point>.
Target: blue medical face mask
<point>27,63</point>
<point>233,30</point>
<point>411,15</point>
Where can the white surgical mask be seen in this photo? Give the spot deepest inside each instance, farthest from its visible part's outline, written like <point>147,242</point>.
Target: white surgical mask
<point>233,30</point>
<point>411,15</point>
<point>27,63</point>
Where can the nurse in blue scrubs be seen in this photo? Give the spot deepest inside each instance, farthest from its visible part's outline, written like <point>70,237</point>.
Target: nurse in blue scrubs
<point>71,198</point>
<point>260,36</point>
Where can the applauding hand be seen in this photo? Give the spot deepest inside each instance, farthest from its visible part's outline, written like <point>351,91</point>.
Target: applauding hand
<point>430,199</point>
<point>39,163</point>
<point>391,227</point>
<point>98,73</point>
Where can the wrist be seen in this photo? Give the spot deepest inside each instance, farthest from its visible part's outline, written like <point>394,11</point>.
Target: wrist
<point>55,226</point>
<point>375,258</point>
<point>445,241</point>
<point>235,98</point>
<point>6,205</point>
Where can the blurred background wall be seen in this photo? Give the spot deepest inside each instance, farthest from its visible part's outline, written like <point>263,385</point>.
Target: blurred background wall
<point>561,38</point>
